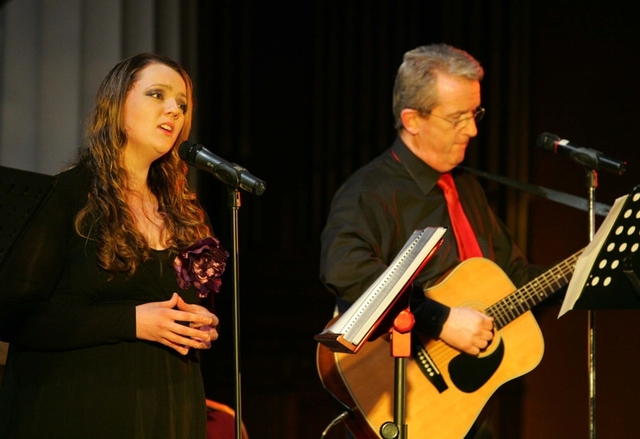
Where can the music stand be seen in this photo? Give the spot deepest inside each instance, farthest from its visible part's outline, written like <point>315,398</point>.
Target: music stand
<point>383,308</point>
<point>607,273</point>
<point>605,276</point>
<point>21,195</point>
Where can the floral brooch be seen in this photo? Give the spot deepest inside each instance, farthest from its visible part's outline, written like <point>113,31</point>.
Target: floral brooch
<point>202,265</point>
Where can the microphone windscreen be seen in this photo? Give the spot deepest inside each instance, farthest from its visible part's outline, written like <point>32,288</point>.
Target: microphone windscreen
<point>547,141</point>
<point>187,151</point>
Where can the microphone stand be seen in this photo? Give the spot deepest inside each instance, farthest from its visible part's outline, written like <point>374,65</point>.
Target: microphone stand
<point>590,160</point>
<point>234,177</point>
<point>234,203</point>
<point>592,184</point>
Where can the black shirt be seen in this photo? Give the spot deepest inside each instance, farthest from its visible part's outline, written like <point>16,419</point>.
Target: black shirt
<point>376,210</point>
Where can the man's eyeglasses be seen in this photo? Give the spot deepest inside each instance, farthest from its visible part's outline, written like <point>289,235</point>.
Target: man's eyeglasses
<point>462,122</point>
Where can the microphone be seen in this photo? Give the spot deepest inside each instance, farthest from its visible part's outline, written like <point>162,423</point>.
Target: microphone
<point>585,156</point>
<point>229,173</point>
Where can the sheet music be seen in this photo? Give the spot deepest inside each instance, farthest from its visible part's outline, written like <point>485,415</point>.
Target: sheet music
<point>356,322</point>
<point>588,257</point>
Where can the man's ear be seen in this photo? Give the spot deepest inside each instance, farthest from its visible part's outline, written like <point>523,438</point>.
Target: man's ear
<point>410,120</point>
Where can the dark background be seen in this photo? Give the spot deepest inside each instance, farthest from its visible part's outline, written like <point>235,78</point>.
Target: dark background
<point>300,94</point>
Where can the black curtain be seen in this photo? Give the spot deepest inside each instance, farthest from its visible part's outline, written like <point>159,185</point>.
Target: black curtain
<point>300,94</point>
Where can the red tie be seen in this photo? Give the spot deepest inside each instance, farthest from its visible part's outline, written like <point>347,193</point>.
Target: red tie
<point>467,243</point>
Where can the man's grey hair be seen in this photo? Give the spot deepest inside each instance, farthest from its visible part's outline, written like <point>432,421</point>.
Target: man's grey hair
<point>415,85</point>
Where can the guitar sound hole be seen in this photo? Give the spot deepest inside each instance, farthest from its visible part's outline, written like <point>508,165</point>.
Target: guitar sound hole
<point>469,373</point>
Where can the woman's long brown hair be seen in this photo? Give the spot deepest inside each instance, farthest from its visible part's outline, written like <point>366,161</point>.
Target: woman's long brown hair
<point>106,216</point>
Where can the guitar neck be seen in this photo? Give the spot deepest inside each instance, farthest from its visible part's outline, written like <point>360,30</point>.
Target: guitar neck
<point>534,292</point>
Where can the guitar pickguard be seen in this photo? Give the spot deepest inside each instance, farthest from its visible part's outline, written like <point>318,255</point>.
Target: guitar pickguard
<point>469,373</point>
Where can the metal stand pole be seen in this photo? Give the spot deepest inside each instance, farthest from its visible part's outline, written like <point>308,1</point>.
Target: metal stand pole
<point>234,205</point>
<point>400,350</point>
<point>592,184</point>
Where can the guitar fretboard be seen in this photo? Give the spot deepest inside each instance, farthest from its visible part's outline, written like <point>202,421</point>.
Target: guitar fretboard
<point>534,292</point>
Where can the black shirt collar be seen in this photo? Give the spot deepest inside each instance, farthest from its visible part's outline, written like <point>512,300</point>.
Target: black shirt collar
<point>424,175</point>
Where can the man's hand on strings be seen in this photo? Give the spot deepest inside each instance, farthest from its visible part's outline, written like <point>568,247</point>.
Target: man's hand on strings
<point>467,330</point>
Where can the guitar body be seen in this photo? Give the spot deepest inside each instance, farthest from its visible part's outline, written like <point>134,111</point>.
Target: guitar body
<point>444,407</point>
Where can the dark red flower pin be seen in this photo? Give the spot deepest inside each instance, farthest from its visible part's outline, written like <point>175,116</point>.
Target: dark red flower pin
<point>202,265</point>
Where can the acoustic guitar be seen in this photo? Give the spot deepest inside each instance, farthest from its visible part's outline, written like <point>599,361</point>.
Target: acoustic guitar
<point>446,389</point>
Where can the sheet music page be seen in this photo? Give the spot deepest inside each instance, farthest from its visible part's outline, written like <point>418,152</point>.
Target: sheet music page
<point>349,317</point>
<point>357,320</point>
<point>588,257</point>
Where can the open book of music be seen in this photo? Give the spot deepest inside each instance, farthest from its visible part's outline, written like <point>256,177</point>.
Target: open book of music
<point>348,332</point>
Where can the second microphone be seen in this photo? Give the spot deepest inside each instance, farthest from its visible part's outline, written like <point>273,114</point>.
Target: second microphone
<point>231,174</point>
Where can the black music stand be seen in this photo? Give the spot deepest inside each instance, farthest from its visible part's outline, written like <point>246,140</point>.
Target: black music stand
<point>609,276</point>
<point>387,299</point>
<point>21,195</point>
